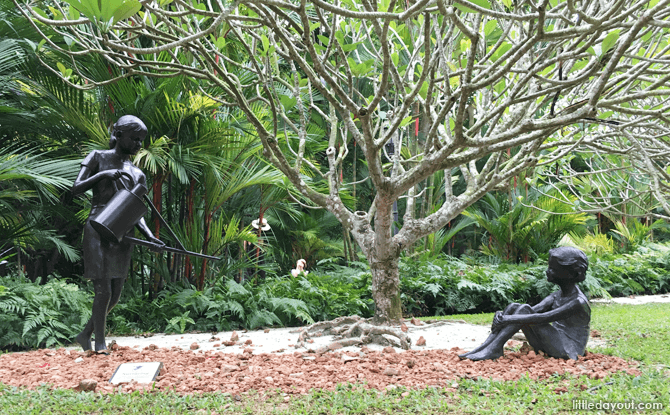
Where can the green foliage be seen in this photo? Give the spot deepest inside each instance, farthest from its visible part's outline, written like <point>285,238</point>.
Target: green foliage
<point>107,13</point>
<point>34,315</point>
<point>632,233</point>
<point>340,292</point>
<point>593,243</point>
<point>225,305</point>
<point>178,323</point>
<point>644,272</point>
<point>524,224</point>
<point>445,285</point>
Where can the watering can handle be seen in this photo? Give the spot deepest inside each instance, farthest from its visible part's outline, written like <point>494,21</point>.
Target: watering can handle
<point>123,173</point>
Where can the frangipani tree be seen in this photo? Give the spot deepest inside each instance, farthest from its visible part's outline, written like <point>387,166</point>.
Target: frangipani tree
<point>484,89</point>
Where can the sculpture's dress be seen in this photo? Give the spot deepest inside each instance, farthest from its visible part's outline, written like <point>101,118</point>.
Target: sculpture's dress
<point>102,258</point>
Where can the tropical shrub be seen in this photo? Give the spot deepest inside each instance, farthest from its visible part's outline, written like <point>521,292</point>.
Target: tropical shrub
<point>225,305</point>
<point>339,291</point>
<point>632,234</point>
<point>525,223</point>
<point>591,243</point>
<point>446,285</point>
<point>647,271</point>
<point>34,315</point>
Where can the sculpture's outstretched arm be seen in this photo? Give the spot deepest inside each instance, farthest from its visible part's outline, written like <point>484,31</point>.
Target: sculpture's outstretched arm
<point>560,313</point>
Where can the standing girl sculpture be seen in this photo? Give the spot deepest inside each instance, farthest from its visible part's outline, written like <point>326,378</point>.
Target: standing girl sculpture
<point>107,262</point>
<point>558,325</point>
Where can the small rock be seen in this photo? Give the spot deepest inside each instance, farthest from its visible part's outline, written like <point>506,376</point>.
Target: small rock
<point>248,342</point>
<point>234,337</point>
<point>512,343</point>
<point>269,379</point>
<point>266,331</point>
<point>216,345</point>
<point>229,368</point>
<point>411,363</point>
<point>248,350</point>
<point>347,358</point>
<point>194,346</point>
<point>309,358</point>
<point>87,385</point>
<point>229,343</point>
<point>310,341</point>
<point>322,350</point>
<point>390,387</point>
<point>390,371</point>
<point>388,349</point>
<point>153,347</point>
<point>421,341</point>
<point>416,322</point>
<point>79,360</point>
<point>294,375</point>
<point>334,346</point>
<point>520,337</point>
<point>403,328</point>
<point>525,348</point>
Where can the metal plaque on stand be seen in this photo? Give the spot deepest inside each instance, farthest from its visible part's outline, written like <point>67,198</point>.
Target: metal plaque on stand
<point>145,372</point>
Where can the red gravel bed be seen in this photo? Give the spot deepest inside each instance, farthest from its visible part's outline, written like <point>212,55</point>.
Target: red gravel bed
<point>187,371</point>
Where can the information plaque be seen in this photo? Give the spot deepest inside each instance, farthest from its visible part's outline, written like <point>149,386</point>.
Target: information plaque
<point>139,372</point>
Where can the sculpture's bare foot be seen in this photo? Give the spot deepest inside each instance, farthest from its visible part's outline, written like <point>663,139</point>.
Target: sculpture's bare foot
<point>101,348</point>
<point>483,355</point>
<point>84,341</point>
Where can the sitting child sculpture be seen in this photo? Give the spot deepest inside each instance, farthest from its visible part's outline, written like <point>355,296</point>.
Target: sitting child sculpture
<point>558,325</point>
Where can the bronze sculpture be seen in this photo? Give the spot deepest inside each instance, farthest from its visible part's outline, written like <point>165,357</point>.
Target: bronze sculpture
<point>107,262</point>
<point>558,325</point>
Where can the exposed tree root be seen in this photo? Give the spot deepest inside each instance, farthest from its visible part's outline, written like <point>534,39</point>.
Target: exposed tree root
<point>353,330</point>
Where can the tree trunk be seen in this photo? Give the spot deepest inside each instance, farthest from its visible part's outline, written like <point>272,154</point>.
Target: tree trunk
<point>157,190</point>
<point>205,246</point>
<point>386,291</point>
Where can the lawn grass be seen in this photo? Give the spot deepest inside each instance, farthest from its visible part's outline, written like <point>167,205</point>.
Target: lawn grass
<point>634,332</point>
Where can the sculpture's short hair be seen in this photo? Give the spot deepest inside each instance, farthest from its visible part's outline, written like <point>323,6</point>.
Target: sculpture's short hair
<point>572,260</point>
<point>124,124</point>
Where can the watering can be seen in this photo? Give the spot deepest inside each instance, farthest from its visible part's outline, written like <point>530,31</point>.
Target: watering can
<point>121,213</point>
<point>124,210</point>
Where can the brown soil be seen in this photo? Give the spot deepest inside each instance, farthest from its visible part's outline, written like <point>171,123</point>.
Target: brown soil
<point>187,371</point>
